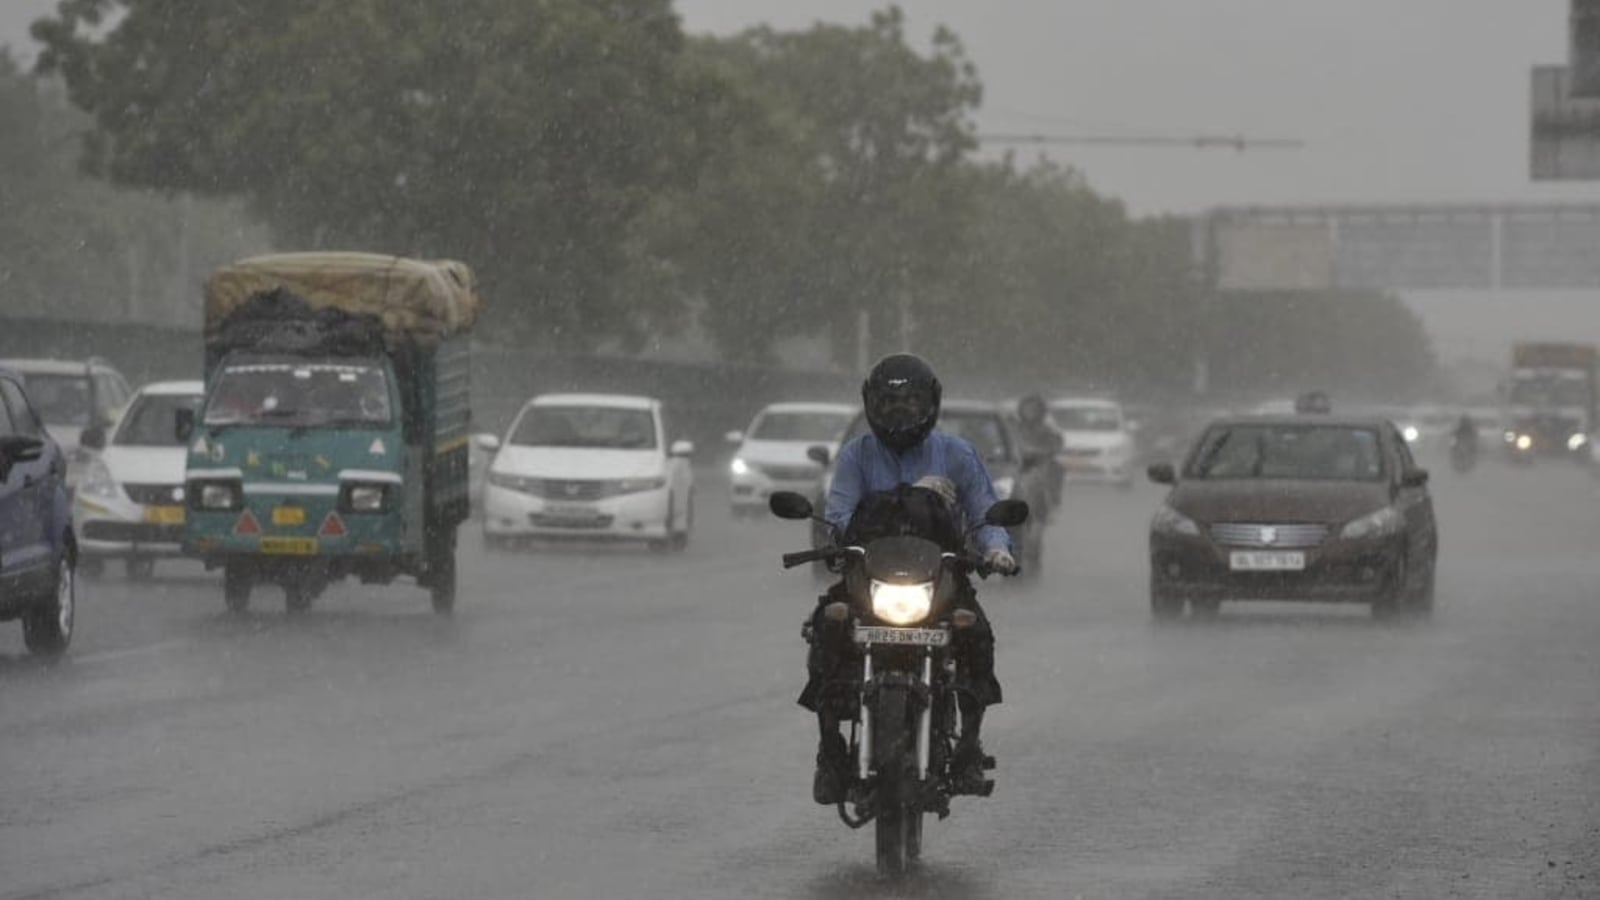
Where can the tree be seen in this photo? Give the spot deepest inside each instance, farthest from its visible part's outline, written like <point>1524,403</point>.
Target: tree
<point>525,138</point>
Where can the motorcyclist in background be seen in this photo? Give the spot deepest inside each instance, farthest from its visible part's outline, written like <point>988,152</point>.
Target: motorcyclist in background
<point>901,397</point>
<point>1041,442</point>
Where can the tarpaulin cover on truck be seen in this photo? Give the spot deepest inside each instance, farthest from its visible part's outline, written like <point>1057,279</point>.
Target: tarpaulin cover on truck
<point>425,301</point>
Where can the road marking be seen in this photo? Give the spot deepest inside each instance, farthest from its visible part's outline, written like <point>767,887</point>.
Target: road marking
<point>129,652</point>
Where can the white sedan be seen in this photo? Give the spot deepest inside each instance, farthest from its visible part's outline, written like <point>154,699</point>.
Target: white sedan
<point>1096,443</point>
<point>774,453</point>
<point>129,504</point>
<point>595,466</point>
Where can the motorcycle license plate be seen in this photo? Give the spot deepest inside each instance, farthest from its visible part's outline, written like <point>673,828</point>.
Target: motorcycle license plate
<point>916,637</point>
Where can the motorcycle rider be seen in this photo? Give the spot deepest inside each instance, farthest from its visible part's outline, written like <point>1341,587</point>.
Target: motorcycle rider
<point>901,397</point>
<point>1042,439</point>
<point>1464,439</point>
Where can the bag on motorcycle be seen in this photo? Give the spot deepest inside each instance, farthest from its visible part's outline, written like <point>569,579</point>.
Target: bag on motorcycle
<point>905,511</point>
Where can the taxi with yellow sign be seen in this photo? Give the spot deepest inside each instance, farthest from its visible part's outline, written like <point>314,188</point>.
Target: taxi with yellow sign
<point>130,501</point>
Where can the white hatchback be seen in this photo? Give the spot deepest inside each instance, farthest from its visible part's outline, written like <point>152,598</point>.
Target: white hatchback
<point>594,466</point>
<point>129,502</point>
<point>1096,442</point>
<point>772,453</point>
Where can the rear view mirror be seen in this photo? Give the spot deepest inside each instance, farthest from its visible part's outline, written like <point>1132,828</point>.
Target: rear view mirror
<point>93,438</point>
<point>183,425</point>
<point>734,437</point>
<point>789,505</point>
<point>1162,473</point>
<point>682,448</point>
<point>488,443</point>
<point>1007,513</point>
<point>819,455</point>
<point>15,448</point>
<point>1414,478</point>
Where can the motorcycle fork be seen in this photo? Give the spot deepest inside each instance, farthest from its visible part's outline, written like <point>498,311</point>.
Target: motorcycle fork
<point>864,742</point>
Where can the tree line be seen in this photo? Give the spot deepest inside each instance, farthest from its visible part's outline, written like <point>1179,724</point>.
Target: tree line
<point>613,178</point>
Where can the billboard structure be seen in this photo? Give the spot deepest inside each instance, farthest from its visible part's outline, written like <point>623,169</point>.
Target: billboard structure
<point>1565,136</point>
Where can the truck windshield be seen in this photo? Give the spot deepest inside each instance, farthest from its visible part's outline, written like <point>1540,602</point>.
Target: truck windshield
<point>300,394</point>
<point>586,426</point>
<point>1549,391</point>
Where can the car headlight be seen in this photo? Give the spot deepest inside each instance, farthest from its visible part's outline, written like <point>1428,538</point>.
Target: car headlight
<point>1169,521</point>
<point>216,495</point>
<point>511,482</point>
<point>739,466</point>
<point>901,604</point>
<point>365,498</point>
<point>1577,441</point>
<point>1410,433</point>
<point>1004,486</point>
<point>1384,521</point>
<point>96,482</point>
<point>636,485</point>
<point>1524,442</point>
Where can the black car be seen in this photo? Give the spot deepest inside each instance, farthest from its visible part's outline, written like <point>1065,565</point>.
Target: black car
<point>38,555</point>
<point>988,427</point>
<point>1290,508</point>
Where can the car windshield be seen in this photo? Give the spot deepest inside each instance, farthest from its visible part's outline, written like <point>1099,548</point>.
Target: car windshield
<point>586,426</point>
<point>1086,418</point>
<point>799,426</point>
<point>1289,452</point>
<point>1549,391</point>
<point>301,394</point>
<point>152,420</point>
<point>984,431</point>
<point>60,399</point>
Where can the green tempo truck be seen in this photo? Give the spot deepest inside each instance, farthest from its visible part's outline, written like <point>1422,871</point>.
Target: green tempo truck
<point>332,442</point>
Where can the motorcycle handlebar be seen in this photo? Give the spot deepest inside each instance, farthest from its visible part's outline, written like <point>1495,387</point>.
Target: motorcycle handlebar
<point>801,557</point>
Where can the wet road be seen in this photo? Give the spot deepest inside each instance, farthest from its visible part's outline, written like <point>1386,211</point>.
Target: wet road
<point>620,724</point>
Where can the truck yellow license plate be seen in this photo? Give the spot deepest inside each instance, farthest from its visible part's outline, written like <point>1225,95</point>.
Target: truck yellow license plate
<point>289,546</point>
<point>163,515</point>
<point>288,515</point>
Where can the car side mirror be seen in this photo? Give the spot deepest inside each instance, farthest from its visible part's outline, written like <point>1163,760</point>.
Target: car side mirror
<point>790,505</point>
<point>1414,478</point>
<point>93,438</point>
<point>183,425</point>
<point>17,448</point>
<point>1007,513</point>
<point>819,455</point>
<point>488,443</point>
<point>681,449</point>
<point>1162,473</point>
<point>734,437</point>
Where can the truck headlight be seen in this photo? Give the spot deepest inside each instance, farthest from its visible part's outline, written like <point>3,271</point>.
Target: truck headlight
<point>1169,521</point>
<point>1524,442</point>
<point>901,604</point>
<point>216,495</point>
<point>1384,521</point>
<point>366,498</point>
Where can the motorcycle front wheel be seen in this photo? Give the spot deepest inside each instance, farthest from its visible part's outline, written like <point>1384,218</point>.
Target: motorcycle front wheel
<point>899,820</point>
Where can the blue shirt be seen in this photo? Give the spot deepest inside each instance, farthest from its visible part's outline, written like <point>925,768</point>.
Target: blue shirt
<point>867,466</point>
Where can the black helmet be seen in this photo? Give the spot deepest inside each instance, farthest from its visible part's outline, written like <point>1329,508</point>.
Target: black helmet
<point>1032,409</point>
<point>901,400</point>
<point>1314,403</point>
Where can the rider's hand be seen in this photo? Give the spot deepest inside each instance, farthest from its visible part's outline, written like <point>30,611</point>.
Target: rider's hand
<point>1000,561</point>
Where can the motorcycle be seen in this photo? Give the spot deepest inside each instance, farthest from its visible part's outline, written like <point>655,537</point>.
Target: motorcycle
<point>907,722</point>
<point>1463,455</point>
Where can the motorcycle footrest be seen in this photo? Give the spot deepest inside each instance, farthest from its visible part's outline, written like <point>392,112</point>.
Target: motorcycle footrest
<point>985,789</point>
<point>987,763</point>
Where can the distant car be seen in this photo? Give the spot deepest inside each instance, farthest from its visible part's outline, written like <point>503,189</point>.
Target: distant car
<point>72,396</point>
<point>130,503</point>
<point>1290,508</point>
<point>596,466</point>
<point>38,551</point>
<point>987,426</point>
<point>1096,442</point>
<point>771,454</point>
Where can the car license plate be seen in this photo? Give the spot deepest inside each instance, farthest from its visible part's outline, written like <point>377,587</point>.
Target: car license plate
<point>572,512</point>
<point>288,515</point>
<point>163,515</point>
<point>918,637</point>
<point>289,546</point>
<point>1266,561</point>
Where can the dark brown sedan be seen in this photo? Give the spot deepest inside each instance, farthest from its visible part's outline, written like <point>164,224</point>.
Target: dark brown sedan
<point>1294,508</point>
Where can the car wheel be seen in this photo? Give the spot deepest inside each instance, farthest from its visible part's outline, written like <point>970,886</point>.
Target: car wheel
<point>1419,602</point>
<point>47,627</point>
<point>680,540</point>
<point>141,569</point>
<point>236,586</point>
<point>1205,608</point>
<point>1165,604</point>
<point>1393,594</point>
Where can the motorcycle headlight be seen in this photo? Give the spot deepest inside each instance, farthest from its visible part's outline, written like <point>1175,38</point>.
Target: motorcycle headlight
<point>1384,521</point>
<point>636,485</point>
<point>1169,521</point>
<point>902,604</point>
<point>97,482</point>
<point>1004,486</point>
<point>739,466</point>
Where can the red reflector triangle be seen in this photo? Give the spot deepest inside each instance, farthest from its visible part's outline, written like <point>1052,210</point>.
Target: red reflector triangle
<point>247,524</point>
<point>332,526</point>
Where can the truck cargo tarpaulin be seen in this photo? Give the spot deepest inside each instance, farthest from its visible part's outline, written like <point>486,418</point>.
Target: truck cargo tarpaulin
<point>423,300</point>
